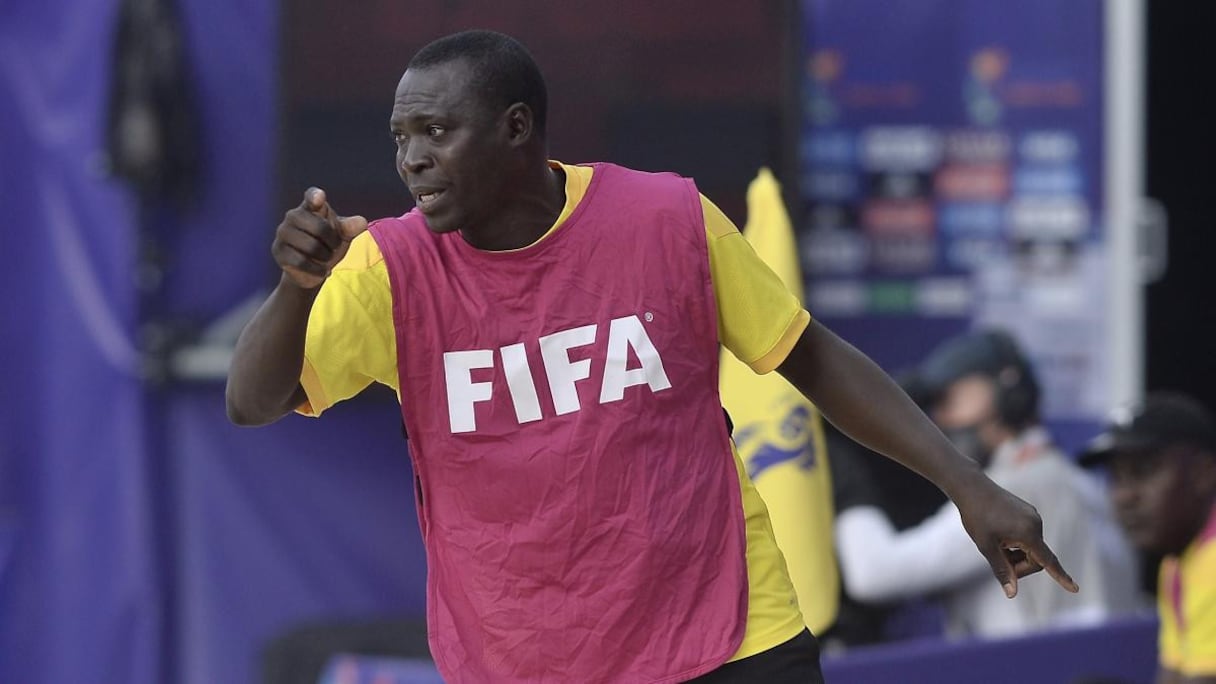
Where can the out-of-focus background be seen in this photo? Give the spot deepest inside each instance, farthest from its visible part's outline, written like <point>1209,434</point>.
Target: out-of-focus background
<point>948,164</point>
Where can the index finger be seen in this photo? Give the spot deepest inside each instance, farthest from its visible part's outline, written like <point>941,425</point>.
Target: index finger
<point>316,201</point>
<point>1040,553</point>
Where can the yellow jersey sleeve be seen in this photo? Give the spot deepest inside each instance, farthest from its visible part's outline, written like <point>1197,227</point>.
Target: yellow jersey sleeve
<point>351,341</point>
<point>759,320</point>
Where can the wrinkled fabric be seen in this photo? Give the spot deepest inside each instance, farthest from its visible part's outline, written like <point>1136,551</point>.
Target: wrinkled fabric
<point>153,136</point>
<point>604,543</point>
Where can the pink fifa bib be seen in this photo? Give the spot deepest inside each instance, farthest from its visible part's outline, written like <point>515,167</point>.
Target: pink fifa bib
<point>576,489</point>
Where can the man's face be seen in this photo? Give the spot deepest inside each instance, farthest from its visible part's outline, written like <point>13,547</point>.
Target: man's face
<point>1160,496</point>
<point>970,400</point>
<point>966,412</point>
<point>451,151</point>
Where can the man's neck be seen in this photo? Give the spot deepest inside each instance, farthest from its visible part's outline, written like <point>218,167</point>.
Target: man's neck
<point>531,212</point>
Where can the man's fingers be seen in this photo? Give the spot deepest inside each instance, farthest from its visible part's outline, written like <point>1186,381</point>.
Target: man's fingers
<point>1001,568</point>
<point>313,238</point>
<point>299,245</point>
<point>1023,564</point>
<point>351,226</point>
<point>1043,556</point>
<point>314,200</point>
<point>311,235</point>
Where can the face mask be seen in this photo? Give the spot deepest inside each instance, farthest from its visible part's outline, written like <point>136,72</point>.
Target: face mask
<point>967,441</point>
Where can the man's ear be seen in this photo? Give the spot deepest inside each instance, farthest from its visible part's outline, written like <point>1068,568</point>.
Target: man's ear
<point>521,125</point>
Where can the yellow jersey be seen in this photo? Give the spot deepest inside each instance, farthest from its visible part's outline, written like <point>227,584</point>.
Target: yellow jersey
<point>1186,603</point>
<point>351,343</point>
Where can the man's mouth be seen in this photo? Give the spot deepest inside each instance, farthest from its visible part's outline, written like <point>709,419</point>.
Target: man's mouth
<point>1133,523</point>
<point>427,199</point>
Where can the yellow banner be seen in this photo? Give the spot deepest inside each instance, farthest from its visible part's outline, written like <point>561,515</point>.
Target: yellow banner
<point>779,434</point>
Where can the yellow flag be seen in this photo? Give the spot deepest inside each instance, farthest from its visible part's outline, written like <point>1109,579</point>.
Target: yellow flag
<point>779,434</point>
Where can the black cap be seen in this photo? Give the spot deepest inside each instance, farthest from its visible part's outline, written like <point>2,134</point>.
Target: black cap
<point>1163,419</point>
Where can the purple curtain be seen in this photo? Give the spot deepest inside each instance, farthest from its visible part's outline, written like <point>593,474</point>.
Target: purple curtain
<point>79,593</point>
<point>143,539</point>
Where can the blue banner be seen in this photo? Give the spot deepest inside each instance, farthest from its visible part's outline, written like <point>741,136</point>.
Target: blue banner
<point>951,171</point>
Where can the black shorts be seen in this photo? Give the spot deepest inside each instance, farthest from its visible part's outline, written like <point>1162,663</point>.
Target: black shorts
<point>793,662</point>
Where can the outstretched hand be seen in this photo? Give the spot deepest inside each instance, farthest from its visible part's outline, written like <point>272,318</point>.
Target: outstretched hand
<point>1009,533</point>
<point>313,238</point>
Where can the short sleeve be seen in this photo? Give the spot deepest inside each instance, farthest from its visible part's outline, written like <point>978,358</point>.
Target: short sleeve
<point>350,341</point>
<point>759,319</point>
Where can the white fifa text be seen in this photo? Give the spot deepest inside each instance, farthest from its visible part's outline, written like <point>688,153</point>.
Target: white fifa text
<point>562,374</point>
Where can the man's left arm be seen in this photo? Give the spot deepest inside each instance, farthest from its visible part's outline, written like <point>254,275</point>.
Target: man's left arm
<point>864,402</point>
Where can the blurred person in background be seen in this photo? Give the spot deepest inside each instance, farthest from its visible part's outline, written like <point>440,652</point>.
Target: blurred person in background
<point>981,391</point>
<point>1161,461</point>
<point>609,533</point>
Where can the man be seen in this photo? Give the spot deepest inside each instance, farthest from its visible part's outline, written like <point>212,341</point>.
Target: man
<point>1162,466</point>
<point>553,334</point>
<point>982,392</point>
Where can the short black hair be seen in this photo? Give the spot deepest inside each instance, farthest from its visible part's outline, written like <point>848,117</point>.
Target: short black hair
<point>503,70</point>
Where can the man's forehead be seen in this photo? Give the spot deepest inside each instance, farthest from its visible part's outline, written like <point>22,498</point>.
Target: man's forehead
<point>448,76</point>
<point>419,86</point>
<point>1145,457</point>
<point>433,88</point>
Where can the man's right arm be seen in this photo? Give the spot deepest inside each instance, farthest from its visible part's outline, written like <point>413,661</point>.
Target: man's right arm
<point>264,378</point>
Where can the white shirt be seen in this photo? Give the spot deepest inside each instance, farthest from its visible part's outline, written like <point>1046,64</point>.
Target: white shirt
<point>880,564</point>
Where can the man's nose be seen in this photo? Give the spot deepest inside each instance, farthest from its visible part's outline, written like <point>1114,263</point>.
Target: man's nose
<point>414,158</point>
<point>1123,494</point>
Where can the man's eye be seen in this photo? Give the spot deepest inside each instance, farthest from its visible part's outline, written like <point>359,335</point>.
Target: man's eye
<point>434,130</point>
<point>399,137</point>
